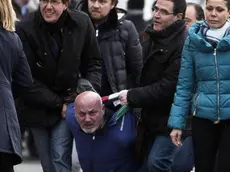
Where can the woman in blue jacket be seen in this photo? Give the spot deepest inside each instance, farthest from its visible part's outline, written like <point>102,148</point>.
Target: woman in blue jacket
<point>13,69</point>
<point>204,83</point>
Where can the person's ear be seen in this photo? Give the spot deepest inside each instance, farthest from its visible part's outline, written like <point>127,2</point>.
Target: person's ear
<point>113,4</point>
<point>179,16</point>
<point>66,5</point>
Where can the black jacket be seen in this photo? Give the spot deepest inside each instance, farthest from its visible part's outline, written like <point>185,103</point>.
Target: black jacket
<point>13,69</point>
<point>162,55</point>
<point>121,51</point>
<point>55,78</point>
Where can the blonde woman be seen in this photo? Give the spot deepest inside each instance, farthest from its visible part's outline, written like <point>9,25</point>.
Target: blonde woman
<point>13,69</point>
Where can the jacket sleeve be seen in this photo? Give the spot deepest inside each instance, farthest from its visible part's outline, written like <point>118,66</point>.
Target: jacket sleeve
<point>160,91</point>
<point>91,59</point>
<point>185,87</point>
<point>22,75</point>
<point>134,55</point>
<point>38,94</point>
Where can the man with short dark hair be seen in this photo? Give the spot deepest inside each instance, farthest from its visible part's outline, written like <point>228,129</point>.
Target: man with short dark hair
<point>119,44</point>
<point>194,12</point>
<point>61,47</point>
<point>161,55</point>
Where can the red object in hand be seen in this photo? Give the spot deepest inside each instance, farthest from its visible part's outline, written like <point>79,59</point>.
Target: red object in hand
<point>111,97</point>
<point>105,98</point>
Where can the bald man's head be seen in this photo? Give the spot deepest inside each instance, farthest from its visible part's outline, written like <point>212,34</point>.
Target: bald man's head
<point>88,97</point>
<point>89,111</point>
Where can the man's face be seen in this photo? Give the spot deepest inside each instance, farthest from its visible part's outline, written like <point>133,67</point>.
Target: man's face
<point>190,15</point>
<point>99,9</point>
<point>90,115</point>
<point>51,10</point>
<point>163,15</point>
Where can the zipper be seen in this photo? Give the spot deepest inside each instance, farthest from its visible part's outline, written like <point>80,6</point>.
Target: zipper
<point>93,137</point>
<point>91,151</point>
<point>218,88</point>
<point>122,123</point>
<point>196,102</point>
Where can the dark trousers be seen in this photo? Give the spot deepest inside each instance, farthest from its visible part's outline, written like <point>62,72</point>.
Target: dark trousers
<point>6,164</point>
<point>7,169</point>
<point>210,139</point>
<point>184,158</point>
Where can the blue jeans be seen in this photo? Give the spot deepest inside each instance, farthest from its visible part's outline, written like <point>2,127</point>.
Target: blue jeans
<point>54,147</point>
<point>160,158</point>
<point>184,158</point>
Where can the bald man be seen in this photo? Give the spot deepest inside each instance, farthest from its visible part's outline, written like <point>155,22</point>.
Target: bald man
<point>103,143</point>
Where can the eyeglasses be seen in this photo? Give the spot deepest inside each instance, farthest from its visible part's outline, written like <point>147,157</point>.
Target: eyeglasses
<point>99,1</point>
<point>52,2</point>
<point>162,12</point>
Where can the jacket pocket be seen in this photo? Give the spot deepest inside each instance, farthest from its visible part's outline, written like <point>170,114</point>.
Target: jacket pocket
<point>195,102</point>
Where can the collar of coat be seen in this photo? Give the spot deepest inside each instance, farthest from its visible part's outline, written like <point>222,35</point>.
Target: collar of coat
<point>165,37</point>
<point>199,42</point>
<point>69,22</point>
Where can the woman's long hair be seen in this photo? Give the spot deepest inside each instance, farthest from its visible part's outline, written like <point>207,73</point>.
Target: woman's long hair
<point>7,15</point>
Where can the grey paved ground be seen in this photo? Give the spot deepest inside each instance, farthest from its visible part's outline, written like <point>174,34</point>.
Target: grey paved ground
<point>28,166</point>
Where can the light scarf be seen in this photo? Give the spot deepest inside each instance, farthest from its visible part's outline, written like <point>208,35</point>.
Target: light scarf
<point>214,36</point>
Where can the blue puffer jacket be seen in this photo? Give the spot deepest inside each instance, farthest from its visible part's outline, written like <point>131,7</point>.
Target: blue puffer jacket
<point>204,80</point>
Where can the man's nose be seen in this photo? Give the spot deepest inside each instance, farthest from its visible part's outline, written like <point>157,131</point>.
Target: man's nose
<point>49,5</point>
<point>156,14</point>
<point>87,118</point>
<point>96,4</point>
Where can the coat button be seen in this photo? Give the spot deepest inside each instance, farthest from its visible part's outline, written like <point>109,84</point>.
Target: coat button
<point>45,54</point>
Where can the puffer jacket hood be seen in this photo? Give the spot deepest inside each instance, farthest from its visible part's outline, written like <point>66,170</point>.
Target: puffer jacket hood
<point>198,41</point>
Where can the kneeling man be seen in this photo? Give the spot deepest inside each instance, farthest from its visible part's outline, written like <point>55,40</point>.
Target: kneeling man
<point>103,143</point>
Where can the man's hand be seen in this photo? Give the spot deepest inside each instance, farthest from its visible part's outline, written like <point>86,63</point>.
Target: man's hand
<point>176,136</point>
<point>63,112</point>
<point>123,97</point>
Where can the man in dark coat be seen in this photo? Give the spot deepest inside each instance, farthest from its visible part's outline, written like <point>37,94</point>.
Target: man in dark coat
<point>119,45</point>
<point>162,54</point>
<point>14,73</point>
<point>61,47</point>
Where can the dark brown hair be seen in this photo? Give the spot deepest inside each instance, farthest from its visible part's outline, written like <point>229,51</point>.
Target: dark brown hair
<point>227,1</point>
<point>179,6</point>
<point>65,1</point>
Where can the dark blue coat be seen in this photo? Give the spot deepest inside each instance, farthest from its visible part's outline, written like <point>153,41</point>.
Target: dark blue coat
<point>13,69</point>
<point>109,149</point>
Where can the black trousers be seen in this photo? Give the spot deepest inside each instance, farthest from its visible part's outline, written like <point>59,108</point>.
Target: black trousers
<point>6,164</point>
<point>210,140</point>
